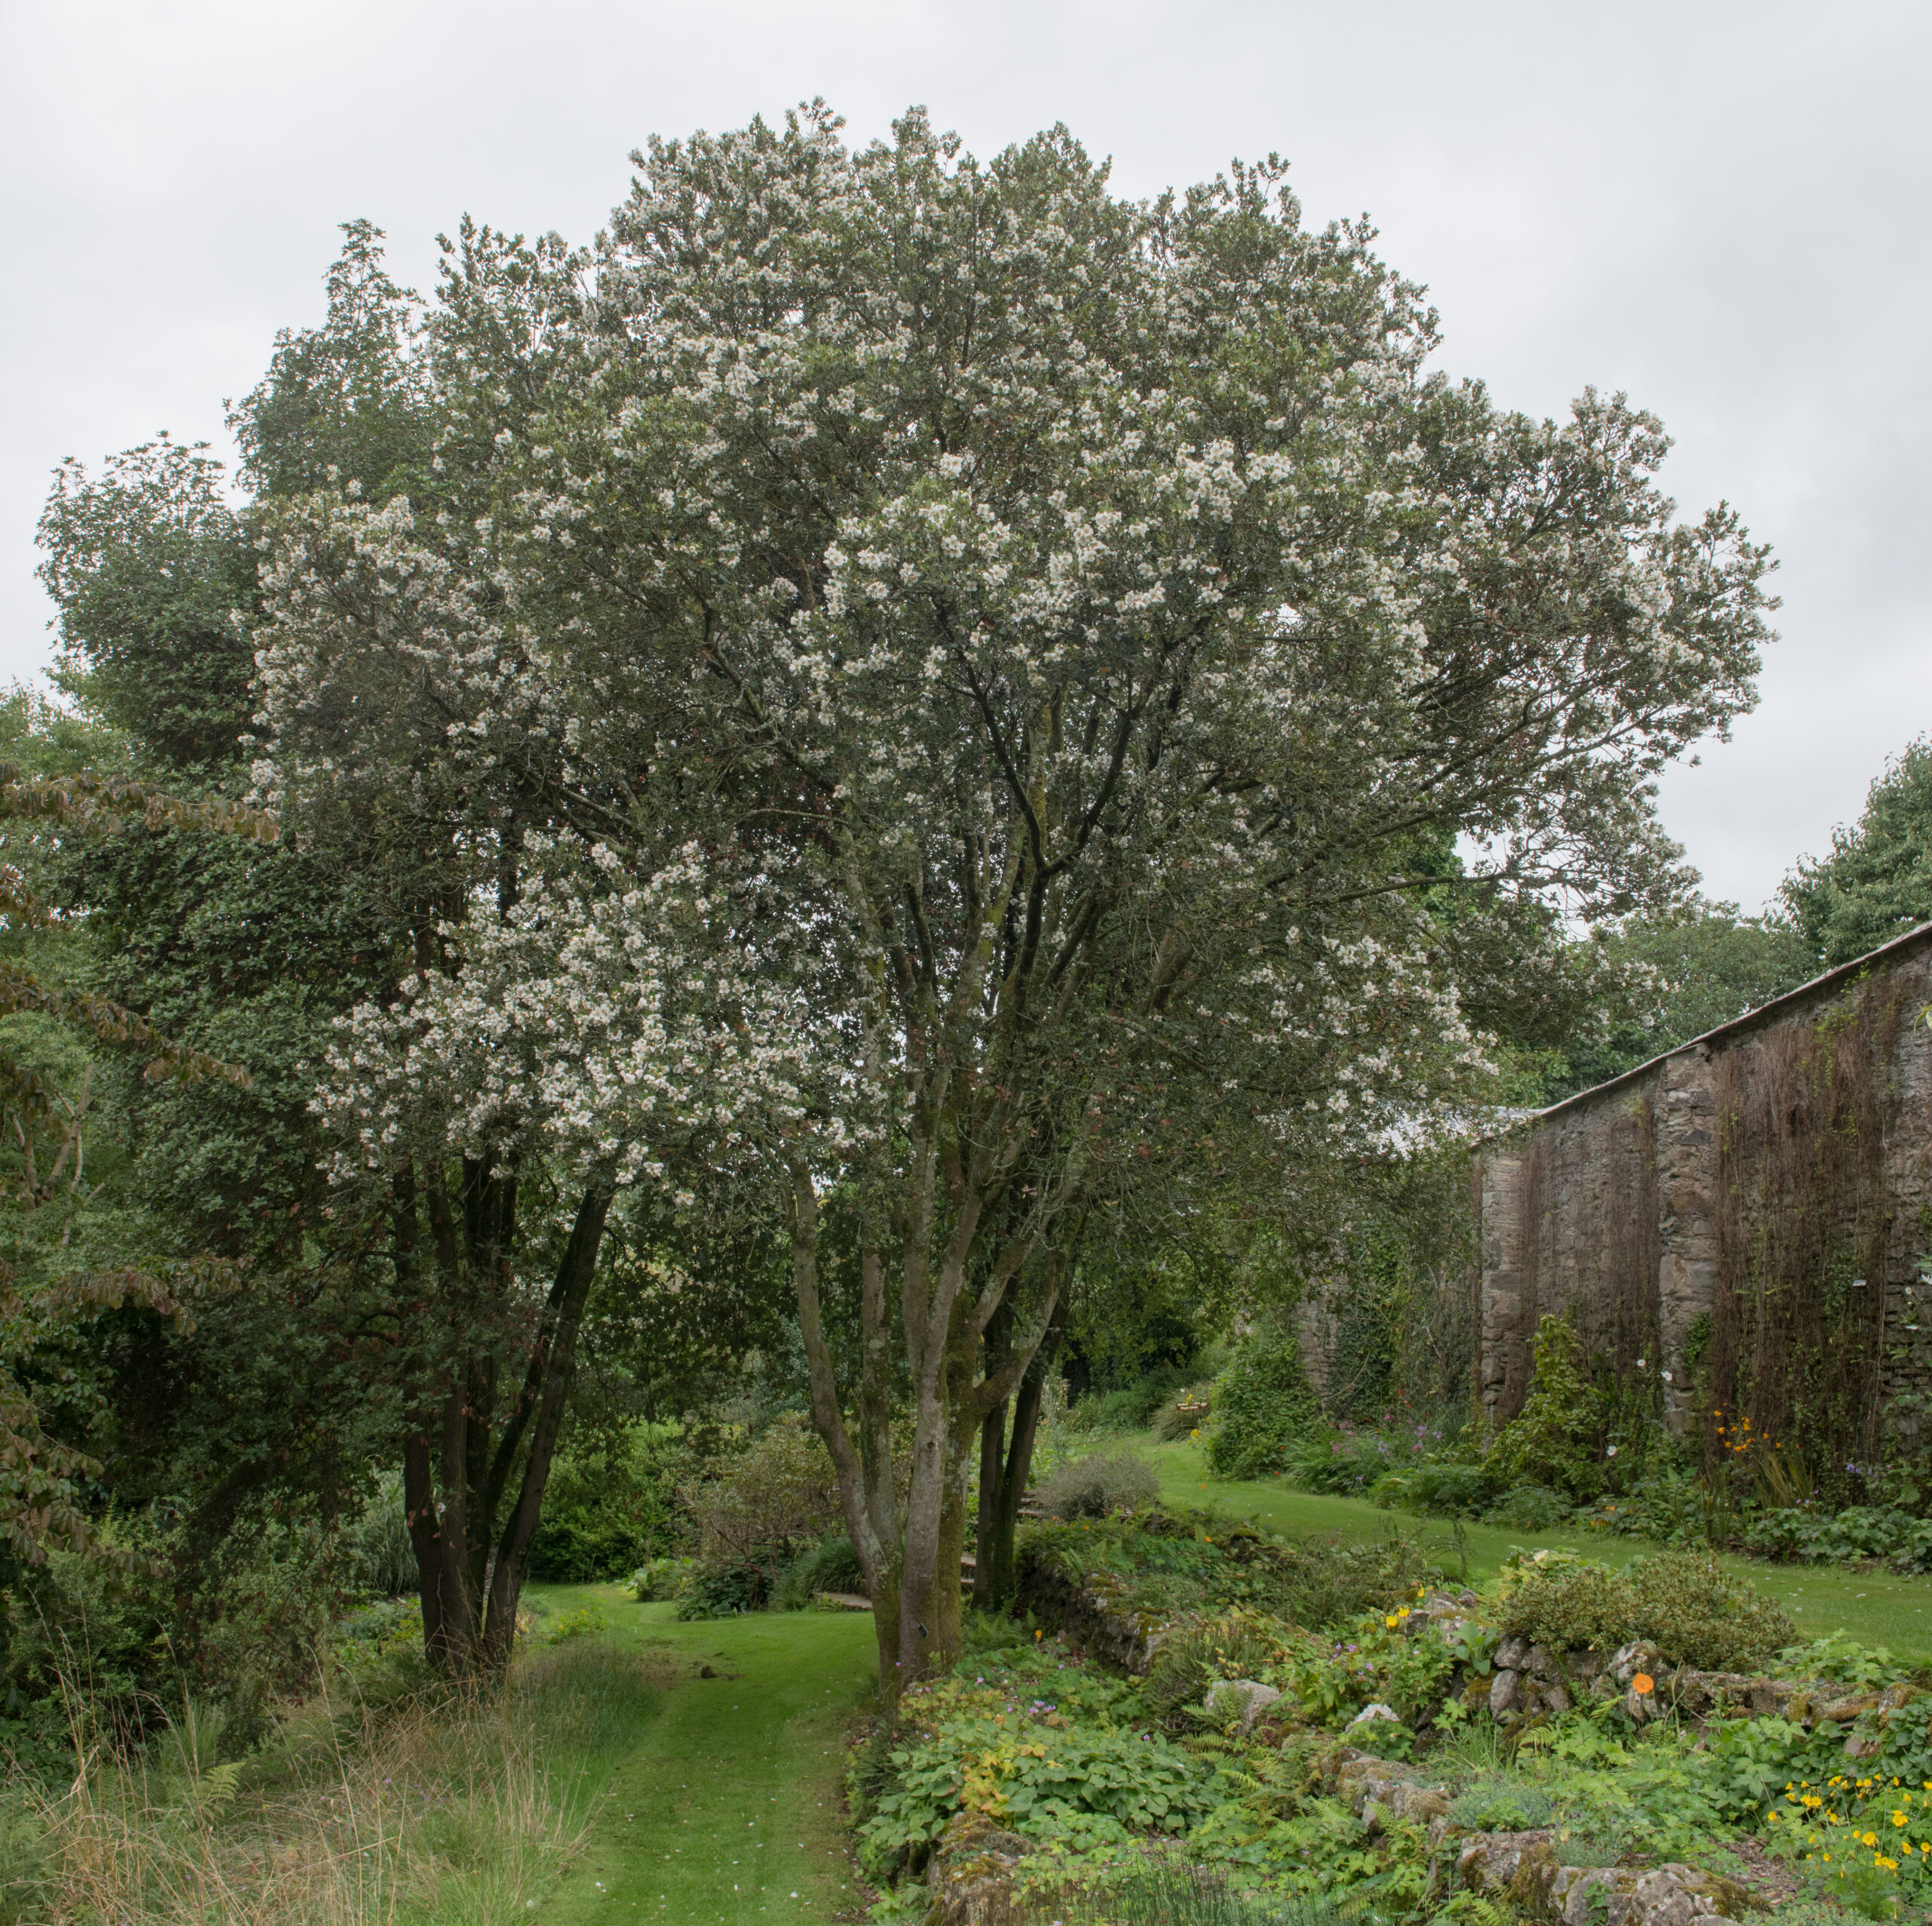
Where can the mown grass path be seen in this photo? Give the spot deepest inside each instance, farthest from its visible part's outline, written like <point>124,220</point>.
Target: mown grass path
<point>1876,1608</point>
<point>726,1812</point>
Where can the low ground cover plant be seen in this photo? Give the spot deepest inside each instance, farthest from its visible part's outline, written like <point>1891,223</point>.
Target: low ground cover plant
<point>1244,1788</point>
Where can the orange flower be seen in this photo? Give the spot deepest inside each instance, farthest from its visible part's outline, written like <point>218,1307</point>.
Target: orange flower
<point>1643,1683</point>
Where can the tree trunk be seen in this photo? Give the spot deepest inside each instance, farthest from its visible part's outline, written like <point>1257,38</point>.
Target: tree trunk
<point>458,1467</point>
<point>994,1577</point>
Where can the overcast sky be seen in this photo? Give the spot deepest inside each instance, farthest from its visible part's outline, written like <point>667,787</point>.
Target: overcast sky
<point>1722,209</point>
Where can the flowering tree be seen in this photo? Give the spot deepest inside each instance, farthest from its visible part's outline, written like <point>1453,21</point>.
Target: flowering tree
<point>954,688</point>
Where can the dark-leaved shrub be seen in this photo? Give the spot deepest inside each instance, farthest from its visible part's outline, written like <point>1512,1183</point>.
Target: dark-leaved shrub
<point>611,1504</point>
<point>831,1565</point>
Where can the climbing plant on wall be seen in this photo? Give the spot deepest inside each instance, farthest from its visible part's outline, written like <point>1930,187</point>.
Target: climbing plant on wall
<point>1805,1239</point>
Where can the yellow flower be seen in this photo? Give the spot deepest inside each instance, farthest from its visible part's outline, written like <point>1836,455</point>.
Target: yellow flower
<point>1390,1621</point>
<point>1898,1819</point>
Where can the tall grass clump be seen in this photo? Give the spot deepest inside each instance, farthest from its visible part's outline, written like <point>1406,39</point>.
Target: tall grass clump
<point>439,1808</point>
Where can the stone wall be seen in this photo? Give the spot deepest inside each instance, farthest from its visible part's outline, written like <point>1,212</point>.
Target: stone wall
<point>1749,1214</point>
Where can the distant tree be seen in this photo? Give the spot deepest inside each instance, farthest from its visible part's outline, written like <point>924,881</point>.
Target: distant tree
<point>1877,881</point>
<point>1669,977</point>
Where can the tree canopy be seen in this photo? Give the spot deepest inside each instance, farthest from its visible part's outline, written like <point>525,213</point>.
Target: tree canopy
<point>1876,882</point>
<point>929,683</point>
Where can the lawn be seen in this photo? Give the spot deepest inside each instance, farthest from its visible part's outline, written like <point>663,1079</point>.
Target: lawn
<point>1875,1608</point>
<point>726,1808</point>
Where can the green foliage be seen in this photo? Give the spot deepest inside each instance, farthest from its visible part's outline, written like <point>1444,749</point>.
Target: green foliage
<point>1666,1505</point>
<point>1534,1507</point>
<point>1054,1751</point>
<point>1263,1403</point>
<point>583,1622</point>
<point>1170,1567</point>
<point>1091,1487</point>
<point>1697,1614</point>
<point>1571,1607</point>
<point>659,1578</point>
<point>1445,1488</point>
<point>724,1587</point>
<point>1176,1894</point>
<point>1142,1405</point>
<point>831,1565</point>
<point>1393,1658</point>
<point>1858,1533</point>
<point>1694,1612</point>
<point>1555,1439</point>
<point>381,1559</point>
<point>1676,974</point>
<point>147,562</point>
<point>1877,881</point>
<point>1240,1644</point>
<point>611,1503</point>
<point>1351,1459</point>
<point>1501,1805</point>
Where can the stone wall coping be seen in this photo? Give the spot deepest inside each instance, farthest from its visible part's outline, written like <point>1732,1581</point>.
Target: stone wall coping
<point>1832,980</point>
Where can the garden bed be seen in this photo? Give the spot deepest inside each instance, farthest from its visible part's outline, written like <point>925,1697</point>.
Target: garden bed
<point>1296,1721</point>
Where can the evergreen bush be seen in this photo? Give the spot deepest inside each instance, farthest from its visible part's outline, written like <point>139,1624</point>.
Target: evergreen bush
<point>1554,1440</point>
<point>1263,1403</point>
<point>1694,1613</point>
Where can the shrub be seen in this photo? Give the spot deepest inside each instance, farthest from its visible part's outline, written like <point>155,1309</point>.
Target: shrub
<point>1263,1403</point>
<point>1858,1532</point>
<point>1693,1612</point>
<point>1435,1490</point>
<point>659,1578</point>
<point>1570,1605</point>
<point>1092,1487</point>
<point>831,1565</point>
<point>1666,1505</point>
<point>778,1494</point>
<point>611,1504</point>
<point>1349,1460</point>
<point>722,1588</point>
<point>1698,1614</point>
<point>1534,1507</point>
<point>1553,1439</point>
